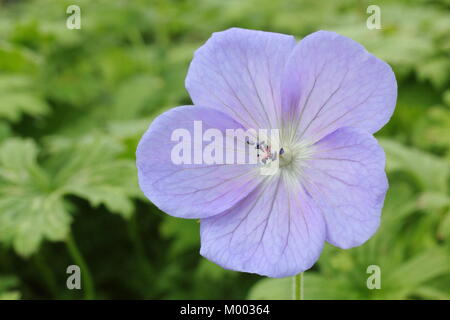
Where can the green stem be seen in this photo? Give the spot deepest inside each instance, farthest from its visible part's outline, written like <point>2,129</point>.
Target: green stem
<point>298,287</point>
<point>75,253</point>
<point>145,265</point>
<point>47,274</point>
<point>135,237</point>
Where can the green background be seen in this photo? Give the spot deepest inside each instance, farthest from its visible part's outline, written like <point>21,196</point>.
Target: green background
<point>74,103</point>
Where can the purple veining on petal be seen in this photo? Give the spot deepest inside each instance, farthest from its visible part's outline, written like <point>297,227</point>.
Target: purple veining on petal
<point>191,190</point>
<point>331,81</point>
<point>238,72</point>
<point>276,231</point>
<point>346,177</point>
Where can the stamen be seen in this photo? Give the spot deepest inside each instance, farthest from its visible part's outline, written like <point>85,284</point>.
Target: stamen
<point>265,155</point>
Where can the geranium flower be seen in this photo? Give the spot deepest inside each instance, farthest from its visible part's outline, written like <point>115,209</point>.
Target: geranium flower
<point>327,95</point>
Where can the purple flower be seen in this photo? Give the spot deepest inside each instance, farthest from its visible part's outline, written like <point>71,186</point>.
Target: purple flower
<point>327,95</point>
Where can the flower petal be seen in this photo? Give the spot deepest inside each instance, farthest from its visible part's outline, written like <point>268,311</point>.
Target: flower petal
<point>238,72</point>
<point>276,231</point>
<point>346,177</point>
<point>190,190</point>
<point>331,82</point>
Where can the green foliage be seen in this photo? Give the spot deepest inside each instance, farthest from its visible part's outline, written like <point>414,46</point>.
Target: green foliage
<point>92,168</point>
<point>7,291</point>
<point>74,104</point>
<point>431,172</point>
<point>32,196</point>
<point>19,97</point>
<point>30,209</point>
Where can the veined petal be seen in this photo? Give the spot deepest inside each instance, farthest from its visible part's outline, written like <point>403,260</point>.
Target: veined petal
<point>346,178</point>
<point>238,72</point>
<point>190,190</point>
<point>276,231</point>
<point>331,82</point>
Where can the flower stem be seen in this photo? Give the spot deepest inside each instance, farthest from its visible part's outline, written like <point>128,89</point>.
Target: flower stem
<point>75,253</point>
<point>298,287</point>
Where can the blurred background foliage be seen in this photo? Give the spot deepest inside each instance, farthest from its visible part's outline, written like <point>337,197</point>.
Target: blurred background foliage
<point>74,103</point>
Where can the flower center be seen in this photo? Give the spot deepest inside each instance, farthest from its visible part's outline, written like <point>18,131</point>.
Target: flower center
<point>288,153</point>
<point>286,156</point>
<point>264,151</point>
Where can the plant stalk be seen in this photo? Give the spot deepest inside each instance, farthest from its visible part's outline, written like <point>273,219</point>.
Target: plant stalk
<point>86,278</point>
<point>298,287</point>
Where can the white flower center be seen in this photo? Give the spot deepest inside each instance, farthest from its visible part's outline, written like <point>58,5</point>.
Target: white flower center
<point>291,153</point>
